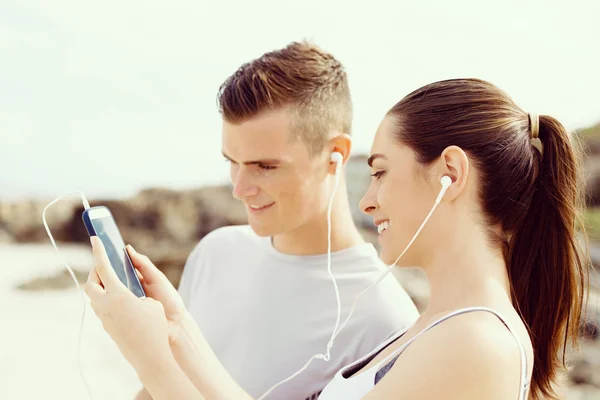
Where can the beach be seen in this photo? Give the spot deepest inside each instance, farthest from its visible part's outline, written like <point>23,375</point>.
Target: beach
<point>38,356</point>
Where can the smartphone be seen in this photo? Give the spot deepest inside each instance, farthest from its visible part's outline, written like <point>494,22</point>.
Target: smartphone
<point>100,222</point>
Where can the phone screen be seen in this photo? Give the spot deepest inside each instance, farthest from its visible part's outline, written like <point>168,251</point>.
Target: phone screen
<point>108,233</point>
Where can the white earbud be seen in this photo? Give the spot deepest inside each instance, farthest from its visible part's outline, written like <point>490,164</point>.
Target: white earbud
<point>337,158</point>
<point>446,181</point>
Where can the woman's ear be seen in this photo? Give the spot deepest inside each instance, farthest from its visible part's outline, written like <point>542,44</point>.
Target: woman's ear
<point>454,163</point>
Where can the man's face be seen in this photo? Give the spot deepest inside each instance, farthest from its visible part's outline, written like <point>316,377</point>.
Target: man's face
<point>281,185</point>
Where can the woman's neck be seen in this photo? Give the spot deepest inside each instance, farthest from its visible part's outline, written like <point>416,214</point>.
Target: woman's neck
<point>466,271</point>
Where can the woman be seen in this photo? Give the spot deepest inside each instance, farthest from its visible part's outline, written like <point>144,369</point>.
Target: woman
<point>501,252</point>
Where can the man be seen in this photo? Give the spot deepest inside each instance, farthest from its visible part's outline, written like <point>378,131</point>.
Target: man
<point>261,293</point>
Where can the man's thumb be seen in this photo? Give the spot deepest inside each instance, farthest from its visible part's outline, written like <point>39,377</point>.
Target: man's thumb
<point>144,265</point>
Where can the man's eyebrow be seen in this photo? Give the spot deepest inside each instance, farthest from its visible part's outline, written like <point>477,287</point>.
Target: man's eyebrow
<point>271,161</point>
<point>375,157</point>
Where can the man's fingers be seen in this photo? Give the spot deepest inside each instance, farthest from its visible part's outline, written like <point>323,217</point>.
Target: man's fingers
<point>105,272</point>
<point>144,266</point>
<point>139,275</point>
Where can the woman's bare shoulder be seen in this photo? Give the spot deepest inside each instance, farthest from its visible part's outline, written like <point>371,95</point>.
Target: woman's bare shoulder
<point>472,355</point>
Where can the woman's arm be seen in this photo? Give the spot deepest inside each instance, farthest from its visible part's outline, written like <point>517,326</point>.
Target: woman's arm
<point>140,330</point>
<point>196,360</point>
<point>157,335</point>
<point>201,365</point>
<point>166,381</point>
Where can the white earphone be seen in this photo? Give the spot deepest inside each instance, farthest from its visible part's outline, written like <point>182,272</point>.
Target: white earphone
<point>337,158</point>
<point>445,181</point>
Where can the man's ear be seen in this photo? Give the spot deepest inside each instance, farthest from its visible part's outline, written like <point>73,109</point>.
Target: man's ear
<point>342,144</point>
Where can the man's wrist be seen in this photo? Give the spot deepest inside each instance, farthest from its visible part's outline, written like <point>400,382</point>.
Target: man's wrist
<point>166,380</point>
<point>184,327</point>
<point>159,363</point>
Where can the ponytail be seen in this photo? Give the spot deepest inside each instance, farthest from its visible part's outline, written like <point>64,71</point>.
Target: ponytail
<point>547,269</point>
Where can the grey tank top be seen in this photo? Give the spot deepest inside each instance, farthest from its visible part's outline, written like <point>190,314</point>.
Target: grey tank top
<point>344,384</point>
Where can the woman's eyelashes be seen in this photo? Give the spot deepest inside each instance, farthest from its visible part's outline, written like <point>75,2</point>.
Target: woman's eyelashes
<point>377,174</point>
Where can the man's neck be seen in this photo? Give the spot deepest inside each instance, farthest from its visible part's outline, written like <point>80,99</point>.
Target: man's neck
<point>311,238</point>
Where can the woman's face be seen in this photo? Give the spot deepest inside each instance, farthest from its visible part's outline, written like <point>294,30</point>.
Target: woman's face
<point>399,198</point>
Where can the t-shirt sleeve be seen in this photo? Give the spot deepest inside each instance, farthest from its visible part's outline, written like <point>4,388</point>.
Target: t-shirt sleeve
<point>391,313</point>
<point>190,274</point>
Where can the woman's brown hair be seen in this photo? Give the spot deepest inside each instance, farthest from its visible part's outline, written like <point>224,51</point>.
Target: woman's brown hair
<point>534,193</point>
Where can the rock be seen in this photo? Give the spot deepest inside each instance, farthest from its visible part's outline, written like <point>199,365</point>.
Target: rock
<point>165,224</point>
<point>585,364</point>
<point>590,138</point>
<point>590,330</point>
<point>582,372</point>
<point>579,392</point>
<point>592,179</point>
<point>24,219</point>
<point>359,179</point>
<point>5,235</point>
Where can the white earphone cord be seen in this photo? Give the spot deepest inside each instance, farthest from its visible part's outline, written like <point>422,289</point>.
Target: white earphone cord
<point>390,267</point>
<point>86,204</point>
<point>446,181</point>
<point>326,356</point>
<point>336,331</point>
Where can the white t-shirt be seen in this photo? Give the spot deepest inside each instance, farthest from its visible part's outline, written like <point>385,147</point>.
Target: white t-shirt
<point>265,313</point>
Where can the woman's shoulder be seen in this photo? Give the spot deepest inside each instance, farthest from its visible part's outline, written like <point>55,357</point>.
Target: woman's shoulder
<point>484,335</point>
<point>468,355</point>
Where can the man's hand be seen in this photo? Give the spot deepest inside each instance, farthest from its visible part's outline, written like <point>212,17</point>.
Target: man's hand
<point>189,347</point>
<point>158,287</point>
<point>143,395</point>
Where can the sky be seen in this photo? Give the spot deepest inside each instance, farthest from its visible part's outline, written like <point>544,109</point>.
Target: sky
<point>112,97</point>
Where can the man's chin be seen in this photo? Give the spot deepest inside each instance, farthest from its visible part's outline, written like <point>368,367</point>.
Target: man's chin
<point>262,231</point>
